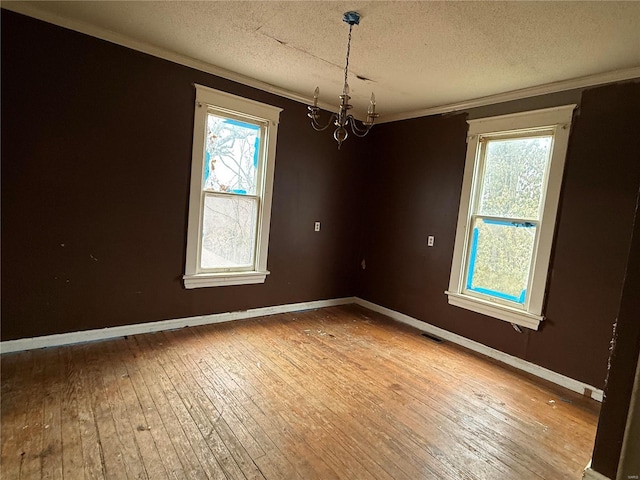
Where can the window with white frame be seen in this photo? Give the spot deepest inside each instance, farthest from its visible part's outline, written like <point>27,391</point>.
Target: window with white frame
<point>234,145</point>
<point>507,215</point>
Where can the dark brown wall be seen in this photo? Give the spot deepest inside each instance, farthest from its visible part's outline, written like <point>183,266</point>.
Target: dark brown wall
<point>96,154</point>
<point>96,147</point>
<point>623,359</point>
<point>414,182</point>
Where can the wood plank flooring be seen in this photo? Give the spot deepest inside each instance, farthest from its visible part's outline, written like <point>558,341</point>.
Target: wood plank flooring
<point>337,393</point>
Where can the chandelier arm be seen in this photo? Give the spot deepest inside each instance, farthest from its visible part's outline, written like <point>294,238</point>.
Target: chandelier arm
<point>318,127</point>
<point>358,132</point>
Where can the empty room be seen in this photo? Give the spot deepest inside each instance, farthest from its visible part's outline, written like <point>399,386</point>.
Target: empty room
<point>320,240</point>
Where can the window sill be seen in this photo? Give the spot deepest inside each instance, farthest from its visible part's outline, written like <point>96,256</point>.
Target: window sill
<point>223,279</point>
<point>511,315</point>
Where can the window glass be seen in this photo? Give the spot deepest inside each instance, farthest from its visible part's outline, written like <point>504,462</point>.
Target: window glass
<point>232,156</point>
<point>514,171</point>
<point>500,258</point>
<point>228,231</point>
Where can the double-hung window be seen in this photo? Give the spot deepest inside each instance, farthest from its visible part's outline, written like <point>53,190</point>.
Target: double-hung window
<point>507,215</point>
<point>234,143</point>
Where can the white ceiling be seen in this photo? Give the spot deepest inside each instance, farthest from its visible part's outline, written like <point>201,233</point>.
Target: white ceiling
<point>418,57</point>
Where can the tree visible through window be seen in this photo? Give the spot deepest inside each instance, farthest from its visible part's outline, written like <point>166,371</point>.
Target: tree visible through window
<point>230,185</point>
<point>507,214</point>
<point>230,201</point>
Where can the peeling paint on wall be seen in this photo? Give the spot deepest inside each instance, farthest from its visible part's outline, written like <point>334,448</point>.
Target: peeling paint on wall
<point>612,352</point>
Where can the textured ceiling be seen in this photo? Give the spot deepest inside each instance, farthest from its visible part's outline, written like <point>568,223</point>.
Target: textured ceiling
<point>413,55</point>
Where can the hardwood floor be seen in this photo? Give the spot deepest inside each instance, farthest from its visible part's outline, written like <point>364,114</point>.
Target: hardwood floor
<point>340,392</point>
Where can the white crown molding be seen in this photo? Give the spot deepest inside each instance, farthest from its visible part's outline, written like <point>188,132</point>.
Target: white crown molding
<point>26,8</point>
<point>561,86</point>
<point>71,338</point>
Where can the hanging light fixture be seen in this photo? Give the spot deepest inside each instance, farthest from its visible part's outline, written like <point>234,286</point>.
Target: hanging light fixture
<point>343,118</point>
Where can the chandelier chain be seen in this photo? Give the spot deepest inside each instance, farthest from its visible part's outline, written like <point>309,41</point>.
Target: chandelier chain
<point>346,63</point>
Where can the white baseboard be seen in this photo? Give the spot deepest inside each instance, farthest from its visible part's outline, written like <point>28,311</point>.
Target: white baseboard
<point>60,339</point>
<point>516,362</point>
<point>121,331</point>
<point>591,474</point>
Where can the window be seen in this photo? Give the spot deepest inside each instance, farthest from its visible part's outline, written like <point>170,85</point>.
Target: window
<point>234,145</point>
<point>507,215</point>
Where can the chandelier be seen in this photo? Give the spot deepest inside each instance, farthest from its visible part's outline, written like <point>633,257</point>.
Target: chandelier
<point>343,118</point>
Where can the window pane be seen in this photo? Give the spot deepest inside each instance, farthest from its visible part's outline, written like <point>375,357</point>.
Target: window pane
<point>232,151</point>
<point>513,176</point>
<point>500,257</point>
<point>228,231</point>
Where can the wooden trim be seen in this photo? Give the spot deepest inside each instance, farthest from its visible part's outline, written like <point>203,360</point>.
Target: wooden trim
<point>60,339</point>
<point>561,86</point>
<point>495,310</point>
<point>516,362</point>
<point>223,279</point>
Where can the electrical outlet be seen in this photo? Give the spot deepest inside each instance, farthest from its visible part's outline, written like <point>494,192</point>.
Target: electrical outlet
<point>316,227</point>
<point>430,240</point>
